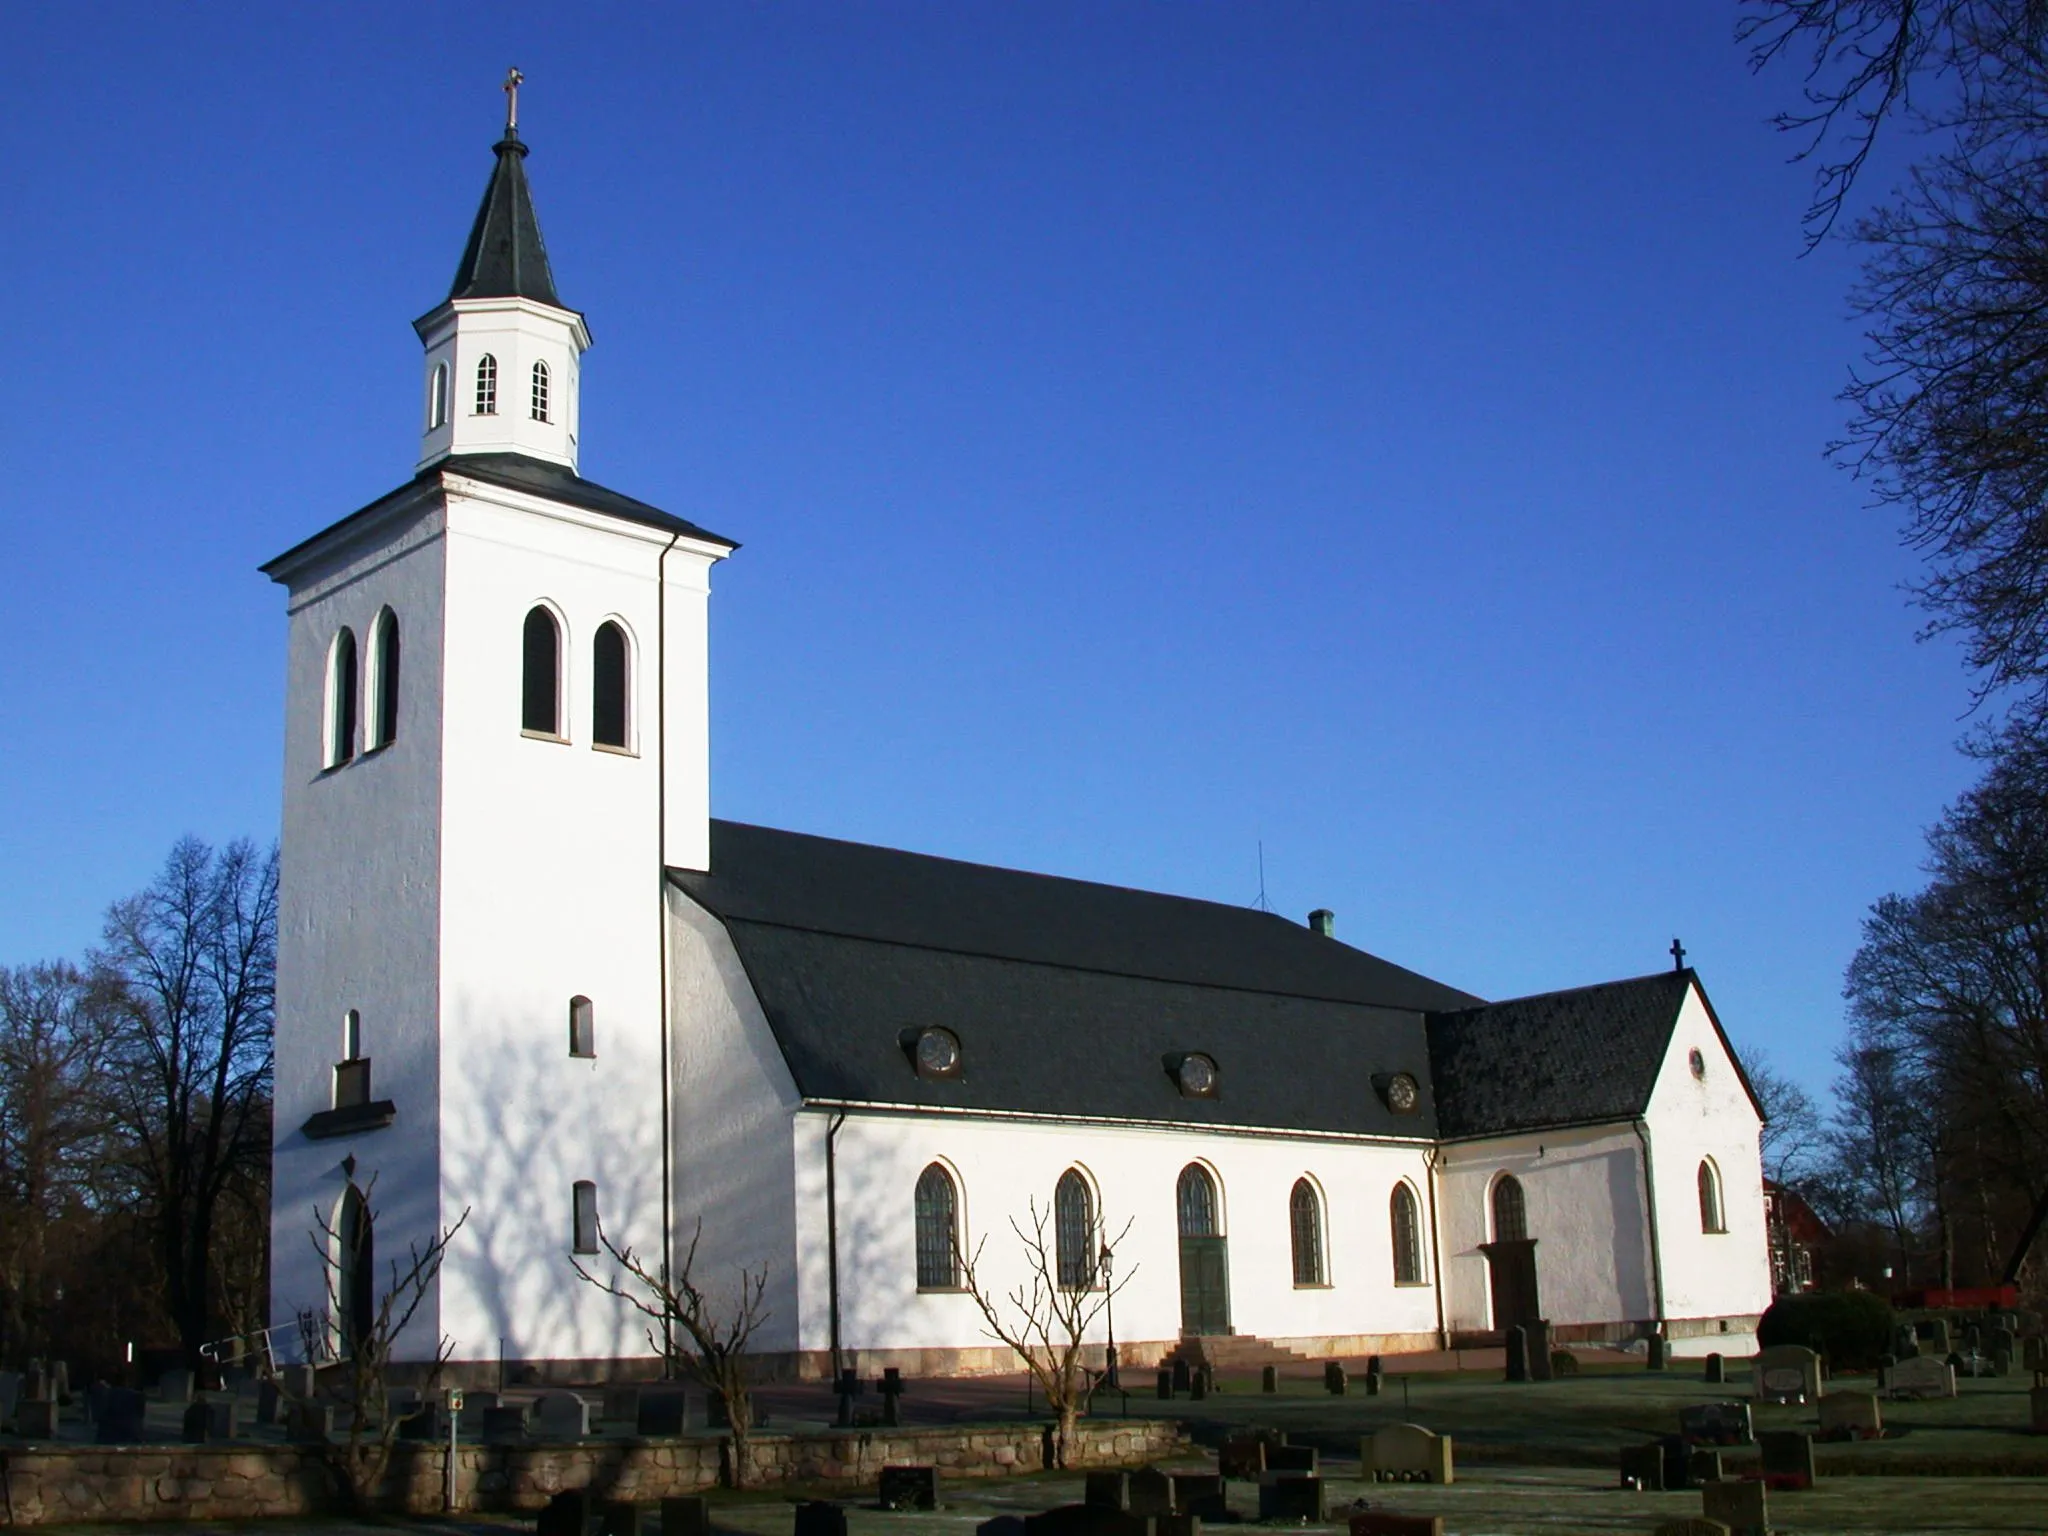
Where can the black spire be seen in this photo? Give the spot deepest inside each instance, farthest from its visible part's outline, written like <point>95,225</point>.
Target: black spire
<point>505,257</point>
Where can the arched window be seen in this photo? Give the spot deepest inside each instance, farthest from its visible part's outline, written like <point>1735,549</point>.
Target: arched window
<point>1305,1224</point>
<point>341,699</point>
<point>384,675</point>
<point>487,386</point>
<point>1510,1211</point>
<point>1195,1198</point>
<point>1073,1229</point>
<point>1711,1218</point>
<point>437,397</point>
<point>582,1027</point>
<point>540,693</point>
<point>1407,1237</point>
<point>608,687</point>
<point>540,391</point>
<point>583,1204</point>
<point>356,1264</point>
<point>938,1231</point>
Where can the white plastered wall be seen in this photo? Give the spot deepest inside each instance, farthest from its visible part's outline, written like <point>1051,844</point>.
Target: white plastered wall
<point>1584,1194</point>
<point>1708,1277</point>
<point>358,900</point>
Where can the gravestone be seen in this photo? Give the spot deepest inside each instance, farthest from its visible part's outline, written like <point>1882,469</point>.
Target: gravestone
<point>1181,1376</point>
<point>1177,1524</point>
<point>504,1426</point>
<point>1973,1339</point>
<point>1642,1467</point>
<point>1932,1333</point>
<point>1405,1453</point>
<point>1149,1492</point>
<point>1539,1345</point>
<point>890,1386</point>
<point>1242,1456</point>
<point>2034,1353</point>
<point>2001,1341</point>
<point>1677,1461</point>
<point>618,1517</point>
<point>1165,1384</point>
<point>1921,1376</point>
<point>906,1487</point>
<point>660,1411</point>
<point>1563,1363</point>
<point>1787,1373</point>
<point>1518,1354</point>
<point>1787,1458</point>
<point>1335,1382</point>
<point>1742,1506</point>
<point>1717,1371</point>
<point>1198,1385</point>
<point>298,1380</point>
<point>1373,1379</point>
<point>1386,1522</point>
<point>1293,1458</point>
<point>427,1423</point>
<point>60,1381</point>
<point>1108,1490</point>
<point>820,1517</point>
<point>174,1386</point>
<point>1702,1465</point>
<point>1905,1342</point>
<point>310,1422</point>
<point>37,1383</point>
<point>1269,1378</point>
<point>1200,1494</point>
<point>689,1515</point>
<point>35,1418</point>
<point>209,1420</point>
<point>2037,1410</point>
<point>568,1513</point>
<point>119,1418</point>
<point>1716,1424</point>
<point>1850,1416</point>
<point>10,1394</point>
<point>1292,1497</point>
<point>1082,1520</point>
<point>1696,1525</point>
<point>620,1405</point>
<point>1659,1352</point>
<point>560,1416</point>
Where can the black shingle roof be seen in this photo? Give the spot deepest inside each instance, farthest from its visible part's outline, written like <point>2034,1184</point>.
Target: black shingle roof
<point>506,256</point>
<point>1556,1059</point>
<point>517,472</point>
<point>1069,997</point>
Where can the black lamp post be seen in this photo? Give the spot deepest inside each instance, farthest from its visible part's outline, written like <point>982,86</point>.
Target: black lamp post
<point>1106,1259</point>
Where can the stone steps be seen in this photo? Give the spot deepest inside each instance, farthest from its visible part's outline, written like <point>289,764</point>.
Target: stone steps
<point>1231,1352</point>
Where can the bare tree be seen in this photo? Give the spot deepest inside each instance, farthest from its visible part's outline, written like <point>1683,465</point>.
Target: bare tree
<point>361,1375</point>
<point>194,959</point>
<point>54,1136</point>
<point>692,1330</point>
<point>1792,1138</point>
<point>1046,1320</point>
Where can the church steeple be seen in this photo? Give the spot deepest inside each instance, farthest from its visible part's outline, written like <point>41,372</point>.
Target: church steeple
<point>503,350</point>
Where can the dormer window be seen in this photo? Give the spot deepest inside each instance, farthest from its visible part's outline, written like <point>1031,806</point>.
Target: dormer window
<point>487,386</point>
<point>540,391</point>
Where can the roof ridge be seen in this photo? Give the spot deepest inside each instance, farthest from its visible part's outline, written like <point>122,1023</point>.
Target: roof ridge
<point>1591,986</point>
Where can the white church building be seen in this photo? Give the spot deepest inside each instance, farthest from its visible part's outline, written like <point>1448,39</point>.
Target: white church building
<point>523,974</point>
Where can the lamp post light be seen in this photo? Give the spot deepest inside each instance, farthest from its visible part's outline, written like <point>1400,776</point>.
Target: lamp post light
<point>1106,1259</point>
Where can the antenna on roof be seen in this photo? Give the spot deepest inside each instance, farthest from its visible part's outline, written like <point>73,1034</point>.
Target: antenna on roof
<point>1261,903</point>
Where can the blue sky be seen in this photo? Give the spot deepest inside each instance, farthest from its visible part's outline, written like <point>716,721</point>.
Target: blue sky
<point>1390,433</point>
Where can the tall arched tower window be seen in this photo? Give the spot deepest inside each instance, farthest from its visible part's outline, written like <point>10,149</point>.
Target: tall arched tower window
<point>487,385</point>
<point>437,397</point>
<point>1510,1211</point>
<point>356,1263</point>
<point>1407,1220</point>
<point>608,687</point>
<point>540,682</point>
<point>1711,1217</point>
<point>1305,1226</point>
<point>341,699</point>
<point>540,391</point>
<point>1073,1228</point>
<point>384,672</point>
<point>938,1230</point>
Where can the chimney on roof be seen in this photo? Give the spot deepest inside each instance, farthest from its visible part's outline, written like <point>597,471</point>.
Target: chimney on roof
<point>1324,922</point>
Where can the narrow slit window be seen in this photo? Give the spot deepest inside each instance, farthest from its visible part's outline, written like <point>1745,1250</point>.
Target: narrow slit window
<point>352,1072</point>
<point>437,397</point>
<point>540,392</point>
<point>1305,1225</point>
<point>608,687</point>
<point>583,1199</point>
<point>1073,1223</point>
<point>341,699</point>
<point>1407,1237</point>
<point>1712,1218</point>
<point>582,1027</point>
<point>487,386</point>
<point>541,674</point>
<point>938,1230</point>
<point>384,666</point>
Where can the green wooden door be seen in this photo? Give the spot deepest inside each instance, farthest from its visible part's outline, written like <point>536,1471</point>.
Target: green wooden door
<point>1204,1285</point>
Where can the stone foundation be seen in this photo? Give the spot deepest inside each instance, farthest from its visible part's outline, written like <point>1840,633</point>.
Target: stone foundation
<point>64,1484</point>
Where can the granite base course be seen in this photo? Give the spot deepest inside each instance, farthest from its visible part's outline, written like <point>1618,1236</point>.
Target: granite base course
<point>49,1485</point>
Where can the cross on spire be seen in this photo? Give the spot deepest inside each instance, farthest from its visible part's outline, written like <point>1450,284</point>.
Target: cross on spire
<point>512,83</point>
<point>1677,955</point>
